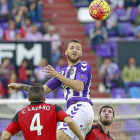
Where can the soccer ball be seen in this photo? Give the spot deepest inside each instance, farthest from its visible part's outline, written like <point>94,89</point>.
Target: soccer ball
<point>99,9</point>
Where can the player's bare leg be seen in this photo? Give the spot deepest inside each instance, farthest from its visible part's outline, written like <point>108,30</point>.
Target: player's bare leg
<point>61,135</point>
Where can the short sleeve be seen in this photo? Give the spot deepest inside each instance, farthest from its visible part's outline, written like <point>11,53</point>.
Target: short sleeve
<point>60,113</point>
<point>83,73</point>
<point>53,83</point>
<point>13,127</point>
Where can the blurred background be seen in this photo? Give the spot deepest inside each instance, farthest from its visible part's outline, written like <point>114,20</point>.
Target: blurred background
<point>34,33</point>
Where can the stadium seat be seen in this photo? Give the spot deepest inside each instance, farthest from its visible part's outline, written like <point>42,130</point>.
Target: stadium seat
<point>88,26</point>
<point>121,12</point>
<point>59,93</point>
<point>133,13</point>
<point>135,137</point>
<point>104,50</point>
<point>50,95</point>
<point>124,109</point>
<point>126,28</point>
<point>118,93</point>
<point>131,125</point>
<point>134,92</point>
<point>3,124</point>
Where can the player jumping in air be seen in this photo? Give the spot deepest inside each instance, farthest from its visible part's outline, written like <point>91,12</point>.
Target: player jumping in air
<point>75,81</point>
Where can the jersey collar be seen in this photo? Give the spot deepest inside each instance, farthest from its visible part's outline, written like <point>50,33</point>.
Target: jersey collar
<point>100,127</point>
<point>36,102</point>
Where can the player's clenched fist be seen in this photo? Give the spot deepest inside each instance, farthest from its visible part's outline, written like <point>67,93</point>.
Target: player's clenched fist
<point>13,86</point>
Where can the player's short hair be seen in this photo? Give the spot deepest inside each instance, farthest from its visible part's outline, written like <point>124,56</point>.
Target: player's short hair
<point>74,40</point>
<point>36,92</point>
<point>107,106</point>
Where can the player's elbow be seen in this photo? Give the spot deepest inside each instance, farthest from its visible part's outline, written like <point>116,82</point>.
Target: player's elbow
<point>70,123</point>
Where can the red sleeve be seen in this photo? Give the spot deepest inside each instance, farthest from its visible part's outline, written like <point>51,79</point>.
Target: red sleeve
<point>61,115</point>
<point>13,128</point>
<point>7,37</point>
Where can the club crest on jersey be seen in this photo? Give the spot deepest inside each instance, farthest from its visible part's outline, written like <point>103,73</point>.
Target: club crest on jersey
<point>82,76</point>
<point>71,71</point>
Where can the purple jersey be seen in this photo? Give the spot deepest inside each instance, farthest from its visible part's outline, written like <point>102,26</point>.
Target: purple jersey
<point>80,71</point>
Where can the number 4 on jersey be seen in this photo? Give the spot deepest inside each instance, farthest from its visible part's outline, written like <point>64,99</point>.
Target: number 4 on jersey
<point>38,127</point>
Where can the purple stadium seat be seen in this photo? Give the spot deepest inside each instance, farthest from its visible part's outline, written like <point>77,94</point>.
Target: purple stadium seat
<point>104,50</point>
<point>4,25</point>
<point>50,95</point>
<point>118,93</point>
<point>127,28</point>
<point>121,12</point>
<point>112,33</point>
<point>59,93</point>
<point>124,109</point>
<point>88,26</point>
<point>133,13</point>
<point>131,125</point>
<point>134,92</point>
<point>3,124</point>
<point>135,137</point>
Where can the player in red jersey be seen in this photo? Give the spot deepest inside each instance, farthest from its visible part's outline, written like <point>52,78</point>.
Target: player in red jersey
<point>101,130</point>
<point>38,121</point>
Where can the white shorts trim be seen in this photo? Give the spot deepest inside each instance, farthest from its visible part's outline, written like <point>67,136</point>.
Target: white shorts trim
<point>83,114</point>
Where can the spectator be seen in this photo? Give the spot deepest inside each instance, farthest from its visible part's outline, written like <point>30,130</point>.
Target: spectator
<point>14,94</point>
<point>35,8</point>
<point>27,25</point>
<point>5,69</point>
<point>136,31</point>
<point>131,74</point>
<point>5,8</point>
<point>44,29</point>
<point>1,33</point>
<point>98,33</point>
<point>10,33</point>
<point>111,22</point>
<point>110,74</point>
<point>38,71</point>
<point>58,67</point>
<point>33,35</point>
<point>2,90</point>
<point>19,8</point>
<point>55,43</point>
<point>24,73</point>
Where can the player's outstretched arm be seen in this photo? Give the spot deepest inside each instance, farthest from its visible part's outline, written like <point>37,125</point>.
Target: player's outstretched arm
<point>73,84</point>
<point>26,87</point>
<point>19,86</point>
<point>6,135</point>
<point>74,127</point>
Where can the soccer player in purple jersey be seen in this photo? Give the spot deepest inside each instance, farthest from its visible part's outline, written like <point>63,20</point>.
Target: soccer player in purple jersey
<point>75,81</point>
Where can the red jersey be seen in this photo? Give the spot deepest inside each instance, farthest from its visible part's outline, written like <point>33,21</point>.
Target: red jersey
<point>38,121</point>
<point>97,133</point>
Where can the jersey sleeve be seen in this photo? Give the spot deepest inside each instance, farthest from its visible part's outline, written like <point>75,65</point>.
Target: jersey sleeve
<point>13,127</point>
<point>53,83</point>
<point>60,113</point>
<point>84,72</point>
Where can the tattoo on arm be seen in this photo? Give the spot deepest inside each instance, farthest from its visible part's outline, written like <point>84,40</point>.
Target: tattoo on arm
<point>25,87</point>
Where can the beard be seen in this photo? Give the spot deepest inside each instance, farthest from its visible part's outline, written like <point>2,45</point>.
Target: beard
<point>106,122</point>
<point>73,60</point>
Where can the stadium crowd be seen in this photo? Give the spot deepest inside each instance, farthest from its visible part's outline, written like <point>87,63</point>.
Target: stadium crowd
<point>123,23</point>
<point>22,21</point>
